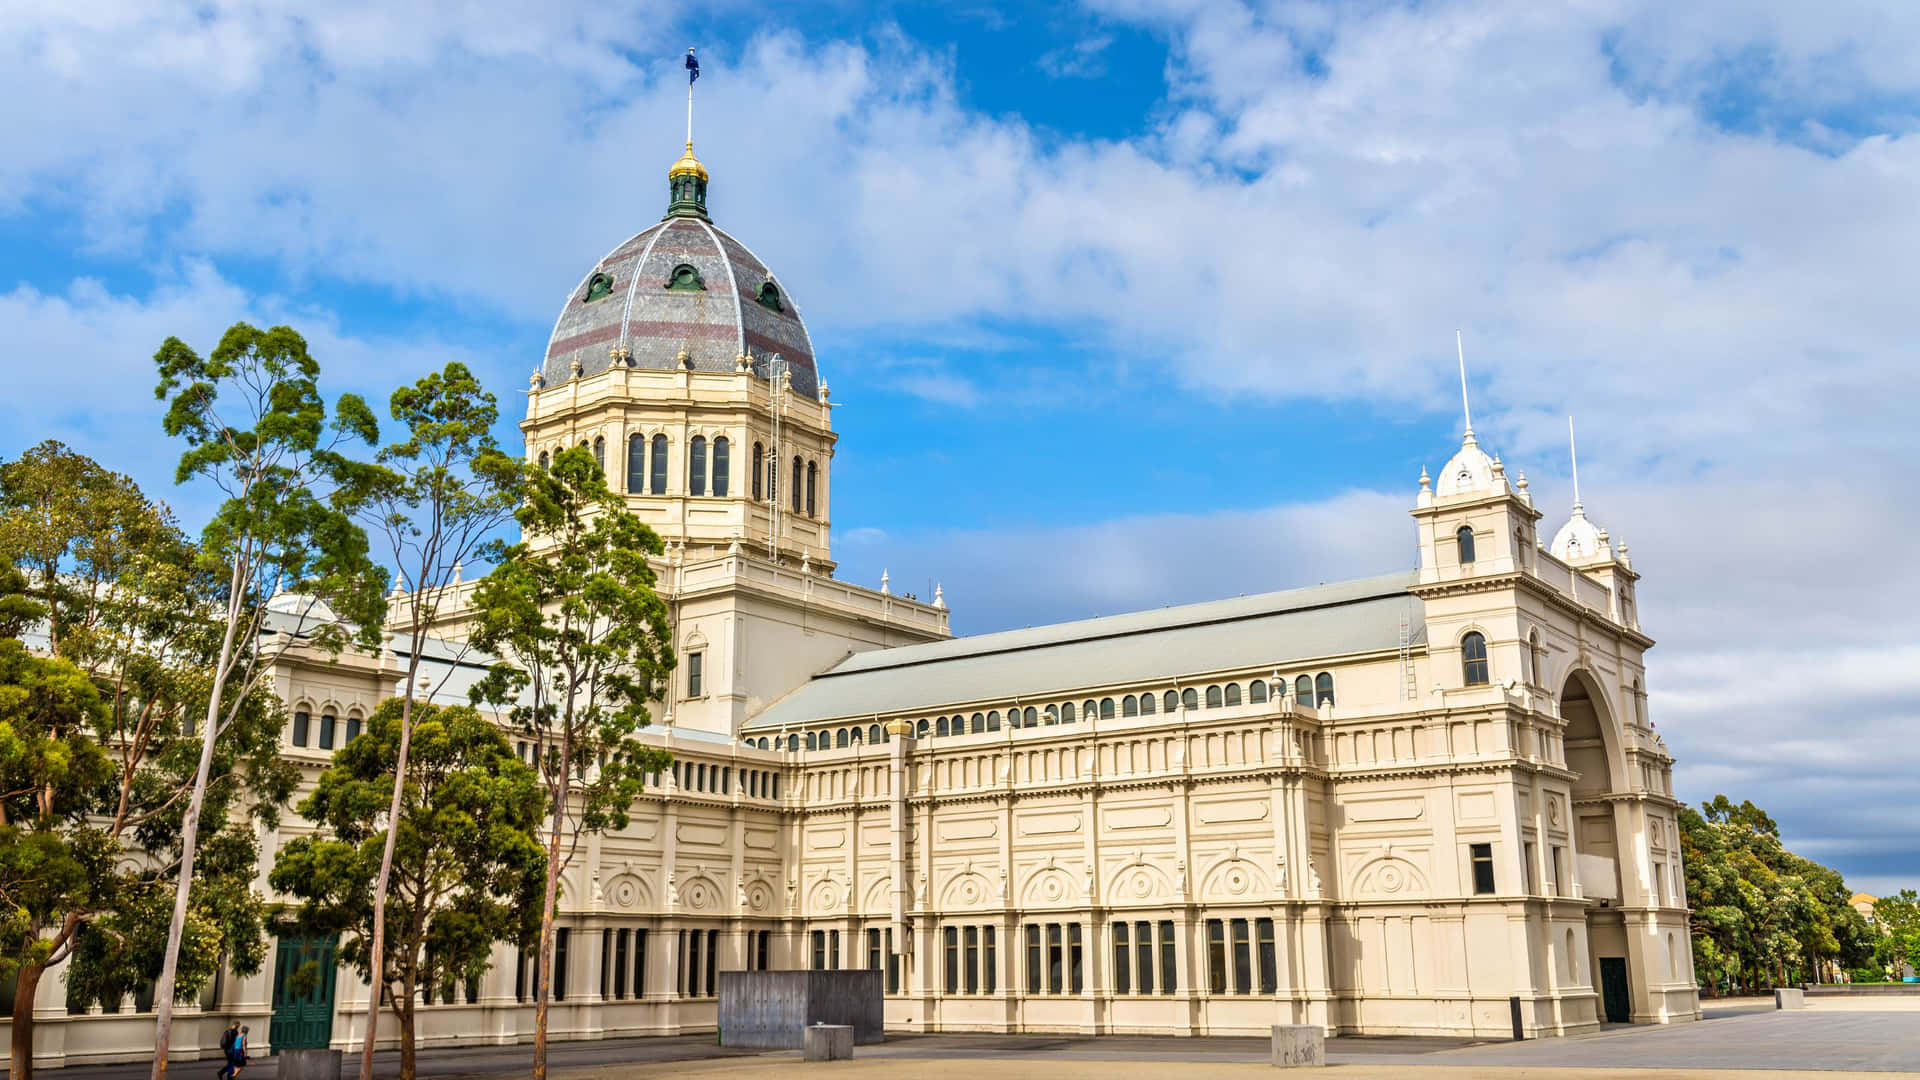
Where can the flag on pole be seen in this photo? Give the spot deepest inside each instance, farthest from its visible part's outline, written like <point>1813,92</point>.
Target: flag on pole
<point>693,68</point>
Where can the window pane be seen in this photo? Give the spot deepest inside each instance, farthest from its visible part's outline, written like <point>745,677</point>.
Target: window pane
<point>1213,697</point>
<point>1146,704</point>
<point>1074,957</point>
<point>1269,971</point>
<point>722,464</point>
<point>1216,956</point>
<point>758,454</point>
<point>1143,954</point>
<point>697,466</point>
<point>1056,975</point>
<point>973,959</point>
<point>1233,694</point>
<point>1033,958</point>
<point>1303,691</point>
<point>659,472</point>
<point>1482,868</point>
<point>952,936</point>
<point>1130,705</point>
<point>1256,692</point>
<point>990,980</point>
<point>1122,972</point>
<point>1323,689</point>
<point>326,731</point>
<point>1169,959</point>
<point>1242,959</point>
<point>300,721</point>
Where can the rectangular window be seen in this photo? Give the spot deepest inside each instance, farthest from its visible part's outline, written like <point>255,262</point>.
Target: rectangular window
<point>680,966</point>
<point>761,950</point>
<point>560,942</point>
<point>1216,956</point>
<point>1526,870</point>
<point>300,722</point>
<point>620,954</point>
<point>1242,959</point>
<point>873,949</point>
<point>711,986</point>
<point>1559,876</point>
<point>972,935</point>
<point>695,675</point>
<point>326,731</point>
<point>1659,884</point>
<point>606,963</point>
<point>520,976</point>
<point>1169,959</point>
<point>1056,960</point>
<point>952,937</point>
<point>1263,944</point>
<point>1143,954</point>
<point>990,981</point>
<point>833,950</point>
<point>693,963</point>
<point>1122,954</point>
<point>1075,966</point>
<point>639,963</point>
<point>819,950</point>
<point>893,965</point>
<point>1034,964</point>
<point>353,729</point>
<point>1482,868</point>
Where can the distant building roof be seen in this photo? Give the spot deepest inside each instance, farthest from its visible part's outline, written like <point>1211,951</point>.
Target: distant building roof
<point>1278,628</point>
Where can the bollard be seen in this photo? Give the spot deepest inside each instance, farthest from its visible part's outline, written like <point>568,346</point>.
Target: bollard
<point>1519,1029</point>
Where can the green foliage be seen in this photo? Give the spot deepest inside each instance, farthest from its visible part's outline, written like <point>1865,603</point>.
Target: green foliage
<point>1898,919</point>
<point>1762,915</point>
<point>130,617</point>
<point>467,862</point>
<point>255,427</point>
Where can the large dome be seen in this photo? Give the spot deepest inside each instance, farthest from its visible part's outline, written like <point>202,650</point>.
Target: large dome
<point>680,285</point>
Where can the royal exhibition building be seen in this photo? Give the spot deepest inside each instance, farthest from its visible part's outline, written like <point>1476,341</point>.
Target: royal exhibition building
<point>1393,805</point>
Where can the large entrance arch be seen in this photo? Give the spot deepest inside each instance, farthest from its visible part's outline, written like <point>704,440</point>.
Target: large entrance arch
<point>1593,752</point>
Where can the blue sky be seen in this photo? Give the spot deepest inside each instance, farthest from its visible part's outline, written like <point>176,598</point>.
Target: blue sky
<point>1129,302</point>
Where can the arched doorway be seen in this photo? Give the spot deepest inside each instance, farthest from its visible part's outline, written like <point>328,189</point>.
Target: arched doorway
<point>1592,742</point>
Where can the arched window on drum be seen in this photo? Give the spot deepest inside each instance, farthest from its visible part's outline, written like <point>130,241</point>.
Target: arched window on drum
<point>658,480</point>
<point>1473,658</point>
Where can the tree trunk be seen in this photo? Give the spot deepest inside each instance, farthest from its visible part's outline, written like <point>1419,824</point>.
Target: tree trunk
<point>544,998</point>
<point>190,834</point>
<point>20,1062</point>
<point>404,1009</point>
<point>377,955</point>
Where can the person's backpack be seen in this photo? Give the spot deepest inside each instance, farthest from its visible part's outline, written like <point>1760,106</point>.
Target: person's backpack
<point>226,1041</point>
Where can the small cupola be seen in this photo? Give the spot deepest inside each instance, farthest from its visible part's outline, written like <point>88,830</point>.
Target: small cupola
<point>687,187</point>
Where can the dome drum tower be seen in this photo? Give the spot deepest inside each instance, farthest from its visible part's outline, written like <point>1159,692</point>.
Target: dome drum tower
<point>683,363</point>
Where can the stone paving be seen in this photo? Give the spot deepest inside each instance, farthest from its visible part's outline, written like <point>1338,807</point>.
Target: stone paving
<point>1737,1041</point>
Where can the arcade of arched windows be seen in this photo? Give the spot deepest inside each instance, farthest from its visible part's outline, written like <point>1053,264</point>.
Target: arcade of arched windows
<point>704,467</point>
<point>1318,690</point>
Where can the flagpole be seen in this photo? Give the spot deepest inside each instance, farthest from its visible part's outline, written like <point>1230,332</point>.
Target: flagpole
<point>689,112</point>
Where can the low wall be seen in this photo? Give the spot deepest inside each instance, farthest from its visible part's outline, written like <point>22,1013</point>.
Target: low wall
<point>771,1010</point>
<point>1866,990</point>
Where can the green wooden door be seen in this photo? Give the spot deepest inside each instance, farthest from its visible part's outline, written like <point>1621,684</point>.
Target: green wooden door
<point>1613,989</point>
<point>303,974</point>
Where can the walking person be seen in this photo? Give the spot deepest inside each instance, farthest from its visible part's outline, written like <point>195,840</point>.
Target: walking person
<point>227,1039</point>
<point>239,1057</point>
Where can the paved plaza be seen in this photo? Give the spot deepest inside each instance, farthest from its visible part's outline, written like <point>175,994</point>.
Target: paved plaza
<point>1833,1038</point>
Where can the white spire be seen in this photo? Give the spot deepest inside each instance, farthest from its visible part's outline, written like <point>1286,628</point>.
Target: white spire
<point>1573,455</point>
<point>691,68</point>
<point>1466,410</point>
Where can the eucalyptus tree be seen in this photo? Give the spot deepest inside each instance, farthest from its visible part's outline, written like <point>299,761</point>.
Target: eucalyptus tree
<point>467,865</point>
<point>435,497</point>
<point>582,642</point>
<point>111,592</point>
<point>291,569</point>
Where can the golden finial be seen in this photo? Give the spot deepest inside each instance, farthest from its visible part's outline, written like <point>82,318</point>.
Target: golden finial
<point>687,165</point>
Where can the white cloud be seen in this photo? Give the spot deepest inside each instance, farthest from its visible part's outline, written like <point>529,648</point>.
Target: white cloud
<point>1327,191</point>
